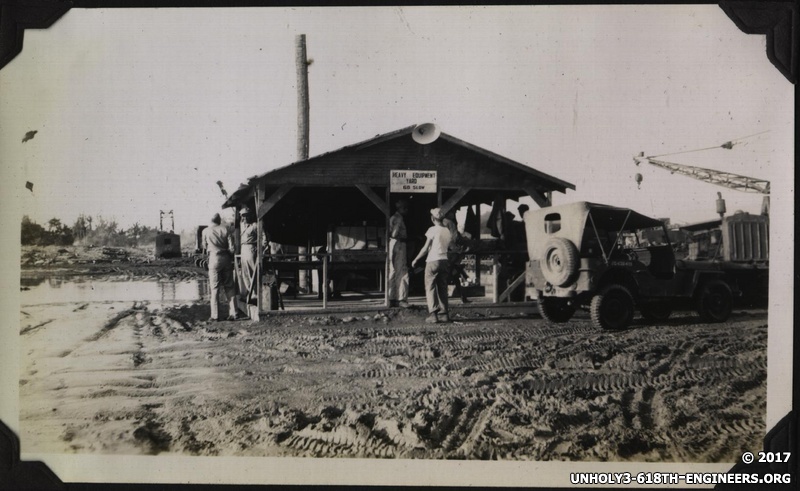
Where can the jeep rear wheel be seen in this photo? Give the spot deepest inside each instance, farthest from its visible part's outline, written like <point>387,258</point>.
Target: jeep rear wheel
<point>560,261</point>
<point>715,301</point>
<point>555,310</point>
<point>612,308</point>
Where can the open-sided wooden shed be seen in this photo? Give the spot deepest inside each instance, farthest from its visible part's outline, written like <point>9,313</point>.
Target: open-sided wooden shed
<point>357,186</point>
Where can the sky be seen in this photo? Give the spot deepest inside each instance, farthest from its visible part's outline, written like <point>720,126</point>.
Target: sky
<point>138,111</point>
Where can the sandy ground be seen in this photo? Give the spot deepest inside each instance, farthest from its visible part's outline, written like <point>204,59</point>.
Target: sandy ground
<point>138,378</point>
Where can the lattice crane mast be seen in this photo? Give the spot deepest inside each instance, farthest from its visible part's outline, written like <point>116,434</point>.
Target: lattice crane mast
<point>720,178</point>
<point>726,179</point>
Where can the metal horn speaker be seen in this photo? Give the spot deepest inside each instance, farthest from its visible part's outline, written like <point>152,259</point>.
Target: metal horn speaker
<point>425,133</point>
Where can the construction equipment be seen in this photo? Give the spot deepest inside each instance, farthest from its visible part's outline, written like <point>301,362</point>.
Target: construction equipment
<point>720,178</point>
<point>738,244</point>
<point>168,244</point>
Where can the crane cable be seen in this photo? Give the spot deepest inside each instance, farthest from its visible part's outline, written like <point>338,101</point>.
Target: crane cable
<point>727,145</point>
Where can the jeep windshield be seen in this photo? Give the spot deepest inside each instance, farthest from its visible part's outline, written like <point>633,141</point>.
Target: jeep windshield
<point>609,230</point>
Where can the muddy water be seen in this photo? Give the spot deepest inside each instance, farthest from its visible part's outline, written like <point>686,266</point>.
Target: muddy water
<point>80,290</point>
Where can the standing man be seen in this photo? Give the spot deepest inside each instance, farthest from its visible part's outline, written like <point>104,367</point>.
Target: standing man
<point>398,260</point>
<point>218,242</point>
<point>249,251</point>
<point>436,267</point>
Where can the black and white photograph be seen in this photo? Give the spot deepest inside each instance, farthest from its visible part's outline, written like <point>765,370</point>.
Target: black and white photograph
<point>423,245</point>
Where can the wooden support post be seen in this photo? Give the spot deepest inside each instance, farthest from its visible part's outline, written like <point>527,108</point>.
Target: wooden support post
<point>310,272</point>
<point>302,274</point>
<point>477,256</point>
<point>495,279</point>
<point>386,246</point>
<point>325,281</point>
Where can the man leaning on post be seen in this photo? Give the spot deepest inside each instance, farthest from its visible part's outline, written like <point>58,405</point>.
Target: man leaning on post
<point>398,267</point>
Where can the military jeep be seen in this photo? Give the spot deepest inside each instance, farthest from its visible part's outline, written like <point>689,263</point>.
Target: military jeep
<point>614,261</point>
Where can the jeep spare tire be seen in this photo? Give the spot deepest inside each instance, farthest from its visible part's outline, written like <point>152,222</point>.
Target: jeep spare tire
<point>560,261</point>
<point>612,308</point>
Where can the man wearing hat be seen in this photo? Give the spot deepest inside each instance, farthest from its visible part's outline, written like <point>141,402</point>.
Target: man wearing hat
<point>218,242</point>
<point>249,250</point>
<point>437,266</point>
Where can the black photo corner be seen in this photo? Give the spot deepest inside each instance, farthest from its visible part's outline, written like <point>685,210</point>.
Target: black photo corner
<point>778,21</point>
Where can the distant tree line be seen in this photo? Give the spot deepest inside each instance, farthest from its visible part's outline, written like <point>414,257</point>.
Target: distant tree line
<point>86,231</point>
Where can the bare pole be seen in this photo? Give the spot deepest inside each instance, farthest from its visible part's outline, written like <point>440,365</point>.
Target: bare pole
<point>301,63</point>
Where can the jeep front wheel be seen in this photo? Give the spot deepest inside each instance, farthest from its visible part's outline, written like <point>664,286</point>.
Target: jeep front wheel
<point>715,301</point>
<point>560,261</point>
<point>612,308</point>
<point>555,310</point>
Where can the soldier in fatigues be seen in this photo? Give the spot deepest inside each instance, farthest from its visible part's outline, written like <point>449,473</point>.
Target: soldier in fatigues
<point>218,242</point>
<point>249,250</point>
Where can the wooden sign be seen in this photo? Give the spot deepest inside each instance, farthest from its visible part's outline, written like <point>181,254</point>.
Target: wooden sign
<point>413,181</point>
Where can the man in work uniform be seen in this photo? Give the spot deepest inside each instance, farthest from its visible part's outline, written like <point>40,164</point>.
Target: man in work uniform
<point>436,267</point>
<point>249,251</point>
<point>398,261</point>
<point>218,242</point>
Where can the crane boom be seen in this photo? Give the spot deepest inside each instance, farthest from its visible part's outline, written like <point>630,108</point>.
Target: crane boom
<point>725,179</point>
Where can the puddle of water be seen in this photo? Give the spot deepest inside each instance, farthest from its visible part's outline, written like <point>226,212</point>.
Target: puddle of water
<point>79,289</point>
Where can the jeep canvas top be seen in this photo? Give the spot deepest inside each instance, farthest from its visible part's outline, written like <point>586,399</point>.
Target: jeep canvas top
<point>614,261</point>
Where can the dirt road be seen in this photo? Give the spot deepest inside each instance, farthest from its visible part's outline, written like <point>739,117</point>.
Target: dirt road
<point>491,385</point>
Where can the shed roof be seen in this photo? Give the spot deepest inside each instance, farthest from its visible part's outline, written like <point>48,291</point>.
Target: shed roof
<point>459,164</point>
<point>303,200</point>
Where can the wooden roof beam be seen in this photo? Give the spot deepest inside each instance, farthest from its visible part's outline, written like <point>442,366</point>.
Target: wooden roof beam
<point>376,200</point>
<point>542,199</point>
<point>267,205</point>
<point>453,201</point>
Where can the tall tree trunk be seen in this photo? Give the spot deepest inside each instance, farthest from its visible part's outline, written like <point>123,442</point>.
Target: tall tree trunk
<point>301,62</point>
